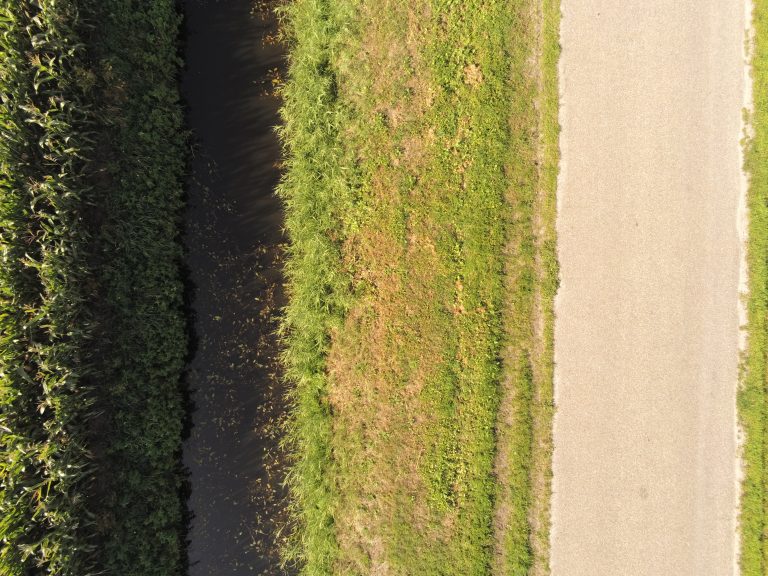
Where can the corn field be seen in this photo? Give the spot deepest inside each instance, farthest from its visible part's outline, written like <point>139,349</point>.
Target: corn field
<point>92,334</point>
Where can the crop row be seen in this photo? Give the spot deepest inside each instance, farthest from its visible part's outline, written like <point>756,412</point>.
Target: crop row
<point>92,333</point>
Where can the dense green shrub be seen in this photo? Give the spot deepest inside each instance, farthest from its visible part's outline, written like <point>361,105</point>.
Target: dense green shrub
<point>142,336</point>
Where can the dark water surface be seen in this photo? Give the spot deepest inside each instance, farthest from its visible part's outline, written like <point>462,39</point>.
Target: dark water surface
<point>233,240</point>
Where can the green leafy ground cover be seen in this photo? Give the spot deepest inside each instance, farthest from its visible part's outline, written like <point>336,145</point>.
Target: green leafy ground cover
<point>421,159</point>
<point>92,335</point>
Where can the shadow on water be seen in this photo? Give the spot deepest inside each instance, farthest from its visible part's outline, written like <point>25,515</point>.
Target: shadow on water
<point>233,240</point>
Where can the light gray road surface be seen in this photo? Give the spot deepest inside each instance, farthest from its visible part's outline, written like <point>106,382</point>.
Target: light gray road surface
<point>647,314</point>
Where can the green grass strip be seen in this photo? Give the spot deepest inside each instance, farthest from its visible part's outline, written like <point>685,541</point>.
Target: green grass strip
<point>548,280</point>
<point>525,425</point>
<point>753,401</point>
<point>313,188</point>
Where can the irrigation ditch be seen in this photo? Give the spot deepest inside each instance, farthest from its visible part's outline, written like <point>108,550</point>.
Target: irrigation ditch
<point>233,240</point>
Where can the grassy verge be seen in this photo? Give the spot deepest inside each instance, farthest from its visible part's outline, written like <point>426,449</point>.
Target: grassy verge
<point>753,401</point>
<point>314,191</point>
<point>524,451</point>
<point>547,267</point>
<point>420,204</point>
<point>92,341</point>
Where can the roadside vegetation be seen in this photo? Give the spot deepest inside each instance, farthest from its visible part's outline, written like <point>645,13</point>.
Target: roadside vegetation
<point>92,333</point>
<point>421,165</point>
<point>524,430</point>
<point>753,399</point>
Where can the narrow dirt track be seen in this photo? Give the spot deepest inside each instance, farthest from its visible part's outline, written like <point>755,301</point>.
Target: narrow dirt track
<point>647,315</point>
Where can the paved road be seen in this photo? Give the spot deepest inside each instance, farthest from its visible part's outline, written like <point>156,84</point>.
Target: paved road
<point>647,329</point>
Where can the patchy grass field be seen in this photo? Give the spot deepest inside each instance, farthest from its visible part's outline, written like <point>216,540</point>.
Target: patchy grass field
<point>753,401</point>
<point>421,146</point>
